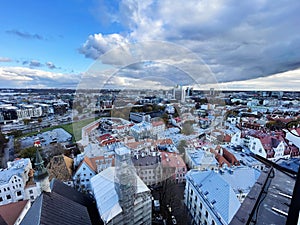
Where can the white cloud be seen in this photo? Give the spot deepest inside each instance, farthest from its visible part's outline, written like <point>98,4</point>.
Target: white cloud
<point>286,81</point>
<point>28,77</point>
<point>98,44</point>
<point>5,59</point>
<point>238,40</point>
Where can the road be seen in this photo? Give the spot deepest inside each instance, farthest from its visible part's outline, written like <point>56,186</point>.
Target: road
<point>8,152</point>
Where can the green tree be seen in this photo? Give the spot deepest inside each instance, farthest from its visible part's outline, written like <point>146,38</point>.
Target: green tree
<point>181,146</point>
<point>187,128</point>
<point>29,153</point>
<point>26,121</point>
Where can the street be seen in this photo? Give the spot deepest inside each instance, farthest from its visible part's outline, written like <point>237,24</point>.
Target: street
<point>8,152</point>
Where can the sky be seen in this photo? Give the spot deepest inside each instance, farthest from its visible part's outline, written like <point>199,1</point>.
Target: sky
<point>232,44</point>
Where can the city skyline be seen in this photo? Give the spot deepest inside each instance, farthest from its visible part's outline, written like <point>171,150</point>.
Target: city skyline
<point>240,45</point>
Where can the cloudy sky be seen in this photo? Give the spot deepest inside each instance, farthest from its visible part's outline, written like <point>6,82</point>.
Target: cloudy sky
<point>234,44</point>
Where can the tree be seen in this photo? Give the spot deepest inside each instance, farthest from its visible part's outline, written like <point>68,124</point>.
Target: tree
<point>26,121</point>
<point>29,153</point>
<point>181,146</point>
<point>3,142</point>
<point>187,128</point>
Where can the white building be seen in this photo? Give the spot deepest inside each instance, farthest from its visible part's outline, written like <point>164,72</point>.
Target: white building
<point>108,201</point>
<point>214,198</point>
<point>265,145</point>
<point>29,111</point>
<point>158,129</point>
<point>141,130</point>
<point>83,175</point>
<point>13,181</point>
<point>200,159</point>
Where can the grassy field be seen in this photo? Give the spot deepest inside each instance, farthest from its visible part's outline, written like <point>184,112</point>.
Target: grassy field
<point>73,128</point>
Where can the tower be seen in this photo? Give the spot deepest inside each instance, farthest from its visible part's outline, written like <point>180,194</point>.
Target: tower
<point>125,183</point>
<point>41,176</point>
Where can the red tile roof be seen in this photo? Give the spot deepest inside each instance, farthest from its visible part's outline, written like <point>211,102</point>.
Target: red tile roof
<point>221,160</point>
<point>12,211</point>
<point>174,160</point>
<point>230,157</point>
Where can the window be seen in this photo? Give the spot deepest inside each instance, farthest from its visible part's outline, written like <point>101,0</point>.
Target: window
<point>196,199</point>
<point>200,205</point>
<point>31,197</point>
<point>30,191</point>
<point>87,180</point>
<point>206,214</point>
<point>191,192</point>
<point>83,168</point>
<point>19,193</point>
<point>213,223</point>
<point>8,197</point>
<point>1,199</point>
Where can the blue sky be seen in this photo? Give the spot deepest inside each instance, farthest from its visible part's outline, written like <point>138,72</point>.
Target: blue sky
<point>235,44</point>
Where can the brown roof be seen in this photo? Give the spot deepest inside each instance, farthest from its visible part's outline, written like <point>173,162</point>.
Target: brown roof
<point>158,123</point>
<point>230,157</point>
<point>88,161</point>
<point>12,211</point>
<point>91,162</point>
<point>69,164</point>
<point>221,160</point>
<point>60,167</point>
<point>174,160</point>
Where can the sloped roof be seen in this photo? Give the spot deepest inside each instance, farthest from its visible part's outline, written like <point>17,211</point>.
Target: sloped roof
<point>54,209</point>
<point>174,160</point>
<point>70,193</point>
<point>216,190</point>
<point>230,157</point>
<point>11,212</point>
<point>88,162</point>
<point>103,186</point>
<point>78,197</point>
<point>60,167</point>
<point>2,221</point>
<point>242,178</point>
<point>202,157</point>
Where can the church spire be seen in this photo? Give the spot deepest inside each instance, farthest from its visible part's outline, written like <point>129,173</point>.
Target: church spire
<point>41,175</point>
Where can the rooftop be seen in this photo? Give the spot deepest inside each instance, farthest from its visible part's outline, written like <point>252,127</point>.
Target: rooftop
<point>103,186</point>
<point>11,212</point>
<point>200,157</point>
<point>54,209</point>
<point>268,201</point>
<point>218,194</point>
<point>14,168</point>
